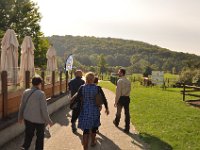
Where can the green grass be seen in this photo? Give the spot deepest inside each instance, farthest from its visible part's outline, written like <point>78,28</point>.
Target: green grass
<point>171,76</point>
<point>163,120</point>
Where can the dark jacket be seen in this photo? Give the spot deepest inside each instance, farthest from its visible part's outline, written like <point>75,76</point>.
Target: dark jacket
<point>75,84</point>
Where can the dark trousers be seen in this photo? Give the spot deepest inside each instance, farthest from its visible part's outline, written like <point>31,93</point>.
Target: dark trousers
<point>29,133</point>
<point>123,102</point>
<point>75,114</point>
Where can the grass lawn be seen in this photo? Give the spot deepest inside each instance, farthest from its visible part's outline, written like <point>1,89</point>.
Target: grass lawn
<point>163,120</point>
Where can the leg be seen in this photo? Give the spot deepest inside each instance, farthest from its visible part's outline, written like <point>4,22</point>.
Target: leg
<point>93,136</point>
<point>85,138</point>
<point>118,115</point>
<point>40,136</point>
<point>127,116</point>
<point>74,118</point>
<point>29,133</point>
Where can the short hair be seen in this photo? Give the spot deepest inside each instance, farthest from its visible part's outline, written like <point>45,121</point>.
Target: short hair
<point>78,73</point>
<point>123,71</point>
<point>90,77</point>
<point>36,81</point>
<point>96,79</point>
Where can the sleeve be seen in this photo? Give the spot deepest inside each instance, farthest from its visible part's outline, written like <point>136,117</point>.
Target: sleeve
<point>21,107</point>
<point>105,102</point>
<point>79,95</point>
<point>44,110</point>
<point>118,91</point>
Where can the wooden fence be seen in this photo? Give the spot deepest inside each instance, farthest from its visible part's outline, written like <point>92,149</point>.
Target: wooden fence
<point>189,91</point>
<point>10,100</point>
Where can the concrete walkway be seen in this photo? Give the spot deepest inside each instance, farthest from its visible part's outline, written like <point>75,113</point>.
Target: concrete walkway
<point>109,138</point>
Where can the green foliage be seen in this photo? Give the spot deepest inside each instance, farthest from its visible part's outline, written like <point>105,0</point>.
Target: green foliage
<point>163,120</point>
<point>190,76</point>
<point>23,17</point>
<point>133,55</point>
<point>102,64</point>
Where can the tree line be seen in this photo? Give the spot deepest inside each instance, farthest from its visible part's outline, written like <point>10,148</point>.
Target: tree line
<point>134,55</point>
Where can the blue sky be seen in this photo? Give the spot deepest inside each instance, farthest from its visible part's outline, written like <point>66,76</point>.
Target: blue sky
<point>173,24</point>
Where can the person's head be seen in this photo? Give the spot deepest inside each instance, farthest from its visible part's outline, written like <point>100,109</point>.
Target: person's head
<point>121,72</point>
<point>37,82</point>
<point>89,77</point>
<point>96,80</point>
<point>78,73</point>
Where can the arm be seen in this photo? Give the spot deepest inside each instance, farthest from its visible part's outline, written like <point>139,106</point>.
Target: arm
<point>105,102</point>
<point>21,109</point>
<point>118,91</point>
<point>44,110</point>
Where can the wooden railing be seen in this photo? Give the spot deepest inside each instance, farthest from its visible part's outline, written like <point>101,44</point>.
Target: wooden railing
<point>10,100</point>
<point>189,90</point>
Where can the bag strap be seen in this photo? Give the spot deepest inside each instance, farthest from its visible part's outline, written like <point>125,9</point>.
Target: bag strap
<point>29,97</point>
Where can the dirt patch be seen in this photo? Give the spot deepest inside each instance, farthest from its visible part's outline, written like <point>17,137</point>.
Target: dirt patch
<point>195,103</point>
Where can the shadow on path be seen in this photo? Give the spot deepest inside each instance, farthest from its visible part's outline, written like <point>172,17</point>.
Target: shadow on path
<point>106,143</point>
<point>155,142</point>
<point>61,116</point>
<point>136,140</point>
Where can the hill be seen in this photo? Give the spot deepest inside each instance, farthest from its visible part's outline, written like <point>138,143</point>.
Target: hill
<point>118,52</point>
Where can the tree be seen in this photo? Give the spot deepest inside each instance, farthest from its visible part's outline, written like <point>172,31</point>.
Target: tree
<point>102,64</point>
<point>23,17</point>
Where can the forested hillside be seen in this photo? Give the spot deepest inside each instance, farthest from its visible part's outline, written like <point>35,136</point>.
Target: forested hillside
<point>127,53</point>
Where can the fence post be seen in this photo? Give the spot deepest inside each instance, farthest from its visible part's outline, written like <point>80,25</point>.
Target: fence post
<point>60,82</point>
<point>43,78</point>
<point>67,76</point>
<point>71,74</point>
<point>53,83</point>
<point>27,79</point>
<point>4,88</point>
<point>184,91</point>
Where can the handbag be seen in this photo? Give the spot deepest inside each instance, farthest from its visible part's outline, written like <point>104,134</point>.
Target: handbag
<point>99,98</point>
<point>76,103</point>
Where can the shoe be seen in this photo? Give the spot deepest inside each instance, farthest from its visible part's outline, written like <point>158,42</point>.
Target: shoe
<point>114,122</point>
<point>22,148</point>
<point>74,130</point>
<point>126,131</point>
<point>94,143</point>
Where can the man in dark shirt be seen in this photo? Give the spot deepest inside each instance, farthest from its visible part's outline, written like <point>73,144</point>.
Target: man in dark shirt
<point>74,85</point>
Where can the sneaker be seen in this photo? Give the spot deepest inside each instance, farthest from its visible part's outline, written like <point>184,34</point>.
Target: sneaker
<point>114,122</point>
<point>126,131</point>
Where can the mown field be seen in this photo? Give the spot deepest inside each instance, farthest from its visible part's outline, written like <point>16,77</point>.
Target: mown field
<point>163,120</point>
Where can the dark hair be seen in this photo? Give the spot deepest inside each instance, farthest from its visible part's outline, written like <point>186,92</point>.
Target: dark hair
<point>96,79</point>
<point>36,81</point>
<point>123,71</point>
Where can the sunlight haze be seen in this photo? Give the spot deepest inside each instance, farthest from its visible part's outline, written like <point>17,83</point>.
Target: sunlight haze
<point>172,24</point>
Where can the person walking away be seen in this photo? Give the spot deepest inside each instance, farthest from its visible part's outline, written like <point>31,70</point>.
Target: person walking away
<point>122,99</point>
<point>89,118</point>
<point>74,85</point>
<point>33,112</point>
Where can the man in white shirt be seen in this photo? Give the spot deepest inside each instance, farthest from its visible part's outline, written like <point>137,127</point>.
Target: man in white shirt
<point>122,99</point>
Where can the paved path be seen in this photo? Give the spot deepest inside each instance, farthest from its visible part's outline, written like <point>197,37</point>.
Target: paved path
<point>109,138</point>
